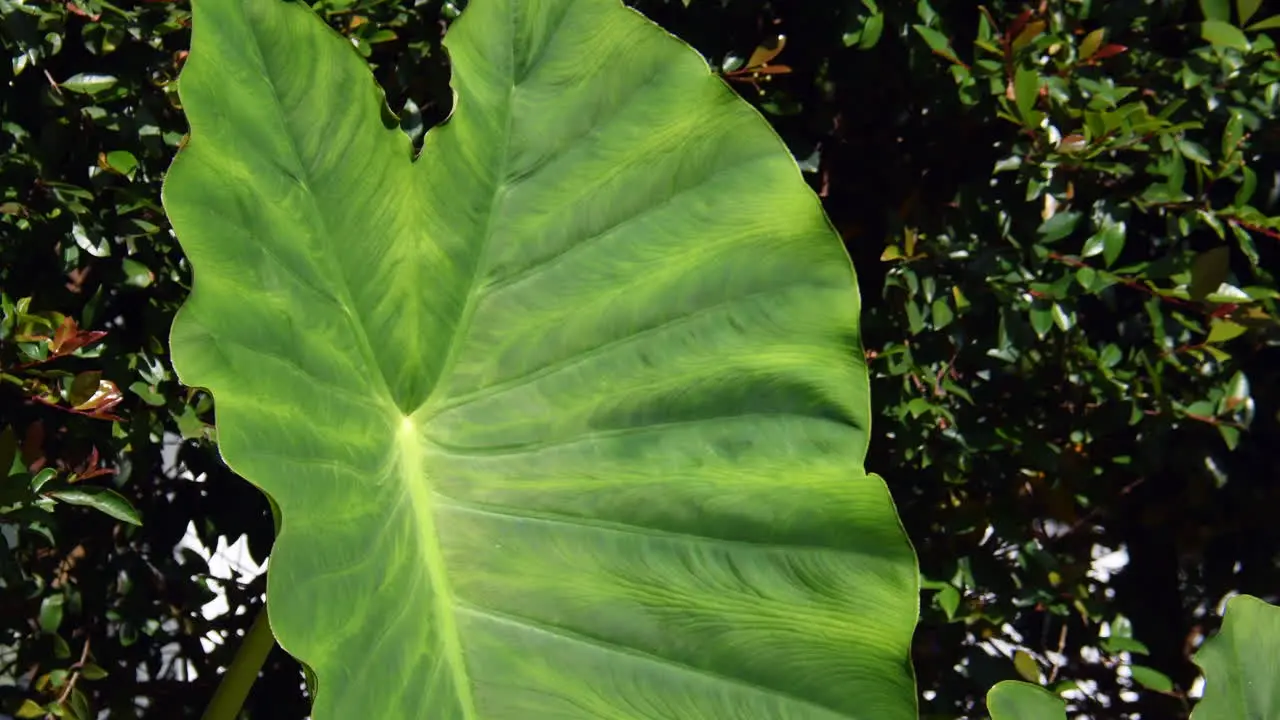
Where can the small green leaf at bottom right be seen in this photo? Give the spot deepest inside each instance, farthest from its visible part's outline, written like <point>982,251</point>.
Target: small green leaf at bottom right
<point>1241,664</point>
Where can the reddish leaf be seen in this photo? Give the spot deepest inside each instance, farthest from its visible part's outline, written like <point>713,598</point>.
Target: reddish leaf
<point>33,446</point>
<point>77,278</point>
<point>1072,143</point>
<point>1016,28</point>
<point>67,330</point>
<point>1031,32</point>
<point>90,469</point>
<point>1107,51</point>
<point>767,52</point>
<point>82,339</point>
<point>105,397</point>
<point>76,10</point>
<point>95,472</point>
<point>97,413</point>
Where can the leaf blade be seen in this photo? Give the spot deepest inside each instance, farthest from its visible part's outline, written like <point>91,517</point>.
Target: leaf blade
<point>1223,34</point>
<point>1247,9</point>
<point>501,427</point>
<point>104,500</point>
<point>1219,10</point>
<point>1239,662</point>
<point>1014,700</point>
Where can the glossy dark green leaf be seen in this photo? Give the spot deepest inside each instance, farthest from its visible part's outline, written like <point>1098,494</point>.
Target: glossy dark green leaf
<point>1194,152</point>
<point>136,274</point>
<point>1087,277</point>
<point>122,161</point>
<point>1062,317</point>
<point>1116,645</point>
<point>1248,185</point>
<point>1209,271</point>
<point>936,41</point>
<point>942,314</point>
<point>1224,34</point>
<point>1041,320</point>
<point>1094,245</point>
<point>1026,666</point>
<point>43,478</point>
<point>871,31</point>
<point>1230,435</point>
<point>1246,9</point>
<point>1013,700</point>
<point>30,709</point>
<point>1219,10</point>
<point>1059,226</point>
<point>1151,678</point>
<point>90,671</point>
<point>78,705</point>
<point>1271,23</point>
<point>148,394</point>
<point>1026,87</point>
<point>51,613</point>
<point>949,600</point>
<point>104,500</point>
<point>1232,134</point>
<point>1223,331</point>
<point>88,83</point>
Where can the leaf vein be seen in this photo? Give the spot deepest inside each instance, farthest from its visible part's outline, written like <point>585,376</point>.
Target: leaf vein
<point>574,248</point>
<point>529,448</point>
<point>711,676</point>
<point>528,378</point>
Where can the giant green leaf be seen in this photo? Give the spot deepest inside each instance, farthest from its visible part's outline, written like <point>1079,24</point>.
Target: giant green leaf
<point>566,417</point>
<point>1242,664</point>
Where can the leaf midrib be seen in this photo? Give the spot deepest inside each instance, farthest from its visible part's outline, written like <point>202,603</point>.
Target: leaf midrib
<point>412,472</point>
<point>414,477</point>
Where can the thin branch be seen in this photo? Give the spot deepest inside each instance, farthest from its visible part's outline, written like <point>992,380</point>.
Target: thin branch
<point>71,681</point>
<point>1274,235</point>
<point>1127,282</point>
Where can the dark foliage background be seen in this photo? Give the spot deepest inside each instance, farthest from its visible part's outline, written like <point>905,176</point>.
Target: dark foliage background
<point>1064,218</point>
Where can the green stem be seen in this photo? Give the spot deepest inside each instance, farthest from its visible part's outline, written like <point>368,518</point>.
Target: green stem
<point>238,679</point>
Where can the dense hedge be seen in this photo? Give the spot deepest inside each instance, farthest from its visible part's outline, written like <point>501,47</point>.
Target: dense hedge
<point>1064,217</point>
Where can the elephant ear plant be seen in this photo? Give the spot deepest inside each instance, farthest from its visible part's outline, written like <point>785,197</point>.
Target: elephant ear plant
<point>564,417</point>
